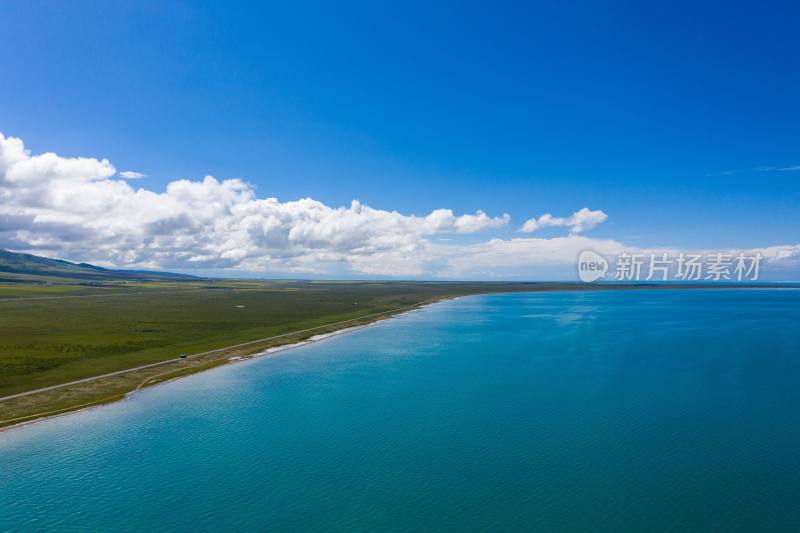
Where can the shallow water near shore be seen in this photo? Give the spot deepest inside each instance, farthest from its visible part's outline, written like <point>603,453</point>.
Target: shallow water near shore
<point>602,411</point>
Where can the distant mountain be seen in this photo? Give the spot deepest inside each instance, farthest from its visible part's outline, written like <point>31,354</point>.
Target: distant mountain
<point>34,265</point>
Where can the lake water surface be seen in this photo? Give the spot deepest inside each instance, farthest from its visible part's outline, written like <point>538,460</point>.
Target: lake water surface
<point>597,411</point>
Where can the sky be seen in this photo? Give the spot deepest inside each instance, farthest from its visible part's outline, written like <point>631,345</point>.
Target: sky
<point>478,140</point>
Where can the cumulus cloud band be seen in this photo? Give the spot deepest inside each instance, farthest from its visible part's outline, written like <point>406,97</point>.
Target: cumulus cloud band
<point>72,208</point>
<point>70,205</point>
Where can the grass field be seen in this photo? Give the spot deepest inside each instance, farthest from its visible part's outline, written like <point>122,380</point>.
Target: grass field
<point>49,341</point>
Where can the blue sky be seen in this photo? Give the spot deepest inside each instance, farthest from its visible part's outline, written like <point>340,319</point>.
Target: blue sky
<point>665,117</point>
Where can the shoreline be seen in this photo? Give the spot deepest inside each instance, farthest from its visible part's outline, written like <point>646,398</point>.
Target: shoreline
<point>263,354</point>
<point>153,380</point>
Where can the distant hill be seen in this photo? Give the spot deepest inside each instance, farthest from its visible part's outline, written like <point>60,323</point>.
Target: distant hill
<point>34,265</point>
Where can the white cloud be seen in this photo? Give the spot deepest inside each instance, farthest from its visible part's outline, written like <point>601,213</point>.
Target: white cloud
<point>131,175</point>
<point>780,169</point>
<point>50,167</point>
<point>580,221</point>
<point>763,168</point>
<point>72,208</point>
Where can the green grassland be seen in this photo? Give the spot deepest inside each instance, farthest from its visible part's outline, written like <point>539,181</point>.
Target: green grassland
<point>50,341</point>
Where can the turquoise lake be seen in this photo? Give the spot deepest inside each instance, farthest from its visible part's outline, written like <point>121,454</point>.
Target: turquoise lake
<point>614,411</point>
